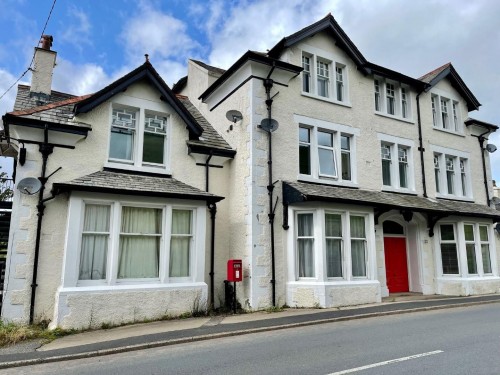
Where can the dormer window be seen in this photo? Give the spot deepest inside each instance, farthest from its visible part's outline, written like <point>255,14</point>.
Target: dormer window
<point>325,78</point>
<point>446,114</point>
<point>392,99</point>
<point>138,139</point>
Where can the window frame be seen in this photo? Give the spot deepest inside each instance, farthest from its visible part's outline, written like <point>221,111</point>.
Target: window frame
<point>316,58</point>
<point>446,112</point>
<point>142,108</point>
<point>460,162</point>
<point>320,247</point>
<point>338,131</point>
<point>394,144</point>
<point>73,246</point>
<point>399,93</point>
<point>461,248</point>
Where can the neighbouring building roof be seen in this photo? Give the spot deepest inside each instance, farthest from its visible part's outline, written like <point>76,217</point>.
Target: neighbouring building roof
<point>294,192</point>
<point>109,181</point>
<point>448,71</point>
<point>57,108</point>
<point>212,70</point>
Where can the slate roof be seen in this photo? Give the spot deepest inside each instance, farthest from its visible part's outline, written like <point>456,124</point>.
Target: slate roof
<point>487,125</point>
<point>448,71</point>
<point>210,137</point>
<point>58,108</point>
<point>212,70</point>
<point>300,192</point>
<point>132,184</point>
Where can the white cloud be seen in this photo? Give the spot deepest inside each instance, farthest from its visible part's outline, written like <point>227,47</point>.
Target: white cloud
<point>78,79</point>
<point>258,25</point>
<point>158,34</point>
<point>7,101</point>
<point>77,28</point>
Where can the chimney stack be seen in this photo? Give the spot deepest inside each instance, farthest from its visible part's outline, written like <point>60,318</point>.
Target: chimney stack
<point>45,60</point>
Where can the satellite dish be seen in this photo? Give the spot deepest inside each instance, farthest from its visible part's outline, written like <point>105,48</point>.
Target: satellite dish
<point>490,147</point>
<point>234,115</point>
<point>29,185</point>
<point>269,125</point>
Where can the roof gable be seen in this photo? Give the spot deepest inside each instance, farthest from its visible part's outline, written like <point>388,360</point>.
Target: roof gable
<point>147,72</point>
<point>448,71</point>
<point>328,24</point>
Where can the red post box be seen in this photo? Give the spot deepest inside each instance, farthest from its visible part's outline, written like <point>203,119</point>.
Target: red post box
<point>234,270</point>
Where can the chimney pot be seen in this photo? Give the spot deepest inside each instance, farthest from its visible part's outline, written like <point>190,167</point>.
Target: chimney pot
<point>46,41</point>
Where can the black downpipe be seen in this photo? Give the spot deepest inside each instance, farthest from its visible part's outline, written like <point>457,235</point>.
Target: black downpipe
<point>45,149</point>
<point>268,84</point>
<point>212,207</point>
<point>481,140</point>
<point>421,146</point>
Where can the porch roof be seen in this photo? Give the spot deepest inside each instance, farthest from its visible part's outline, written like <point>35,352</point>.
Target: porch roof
<point>113,182</point>
<point>294,192</point>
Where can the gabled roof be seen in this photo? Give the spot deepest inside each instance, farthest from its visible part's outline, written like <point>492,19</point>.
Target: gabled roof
<point>328,24</point>
<point>249,56</point>
<point>448,71</point>
<point>145,71</point>
<point>108,181</point>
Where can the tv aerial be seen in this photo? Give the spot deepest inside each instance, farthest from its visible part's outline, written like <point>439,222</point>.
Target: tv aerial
<point>29,185</point>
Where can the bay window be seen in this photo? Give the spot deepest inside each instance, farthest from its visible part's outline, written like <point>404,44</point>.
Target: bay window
<point>324,78</point>
<point>113,242</point>
<point>473,249</point>
<point>334,241</point>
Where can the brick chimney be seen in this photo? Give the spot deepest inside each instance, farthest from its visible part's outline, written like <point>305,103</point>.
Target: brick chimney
<point>45,60</point>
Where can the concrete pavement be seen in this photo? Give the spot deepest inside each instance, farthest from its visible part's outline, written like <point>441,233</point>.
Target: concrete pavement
<point>163,333</point>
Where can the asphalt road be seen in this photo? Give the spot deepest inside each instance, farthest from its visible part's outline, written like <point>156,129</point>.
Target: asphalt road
<point>456,341</point>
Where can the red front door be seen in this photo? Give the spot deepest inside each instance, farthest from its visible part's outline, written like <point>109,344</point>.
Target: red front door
<point>396,268</point>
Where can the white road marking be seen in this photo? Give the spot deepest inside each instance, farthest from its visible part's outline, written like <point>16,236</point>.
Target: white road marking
<point>385,363</point>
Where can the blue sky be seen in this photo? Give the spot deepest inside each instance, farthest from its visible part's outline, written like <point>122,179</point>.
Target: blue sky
<point>100,40</point>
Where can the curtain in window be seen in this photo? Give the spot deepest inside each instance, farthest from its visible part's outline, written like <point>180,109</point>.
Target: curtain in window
<point>305,245</point>
<point>139,243</point>
<point>180,243</point>
<point>333,231</point>
<point>358,252</point>
<point>94,243</point>
<point>485,248</point>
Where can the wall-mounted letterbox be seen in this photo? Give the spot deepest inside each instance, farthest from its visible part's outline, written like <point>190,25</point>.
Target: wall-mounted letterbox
<point>234,270</point>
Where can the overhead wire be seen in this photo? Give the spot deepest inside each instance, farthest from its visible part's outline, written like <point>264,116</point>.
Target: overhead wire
<point>33,58</point>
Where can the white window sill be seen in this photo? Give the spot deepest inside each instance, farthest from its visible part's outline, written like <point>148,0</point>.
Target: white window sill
<point>339,283</point>
<point>457,278</point>
<point>391,189</point>
<point>329,100</point>
<point>394,117</point>
<point>130,287</point>
<point>128,167</point>
<point>455,197</point>
<point>460,134</point>
<point>333,182</point>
